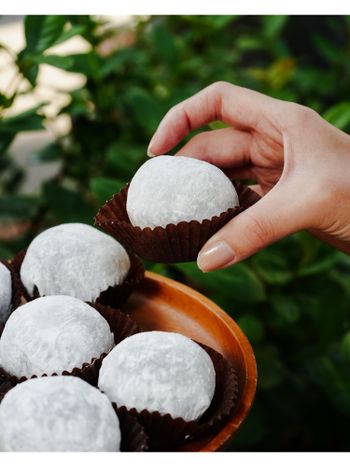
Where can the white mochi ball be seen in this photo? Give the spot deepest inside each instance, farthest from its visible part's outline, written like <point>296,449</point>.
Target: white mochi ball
<point>53,334</point>
<point>59,413</point>
<point>74,259</point>
<point>159,371</point>
<point>5,292</point>
<point>167,190</point>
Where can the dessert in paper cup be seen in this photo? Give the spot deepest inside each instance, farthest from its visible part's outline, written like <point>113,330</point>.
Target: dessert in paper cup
<point>177,388</point>
<point>78,260</point>
<point>171,207</point>
<point>59,335</point>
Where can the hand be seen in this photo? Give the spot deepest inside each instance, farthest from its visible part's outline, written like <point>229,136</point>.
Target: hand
<point>300,162</point>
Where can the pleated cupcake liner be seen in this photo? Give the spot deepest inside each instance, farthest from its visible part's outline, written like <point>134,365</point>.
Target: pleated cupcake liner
<point>173,243</point>
<point>121,325</point>
<point>166,432</point>
<point>134,438</point>
<point>225,397</point>
<point>16,291</point>
<point>114,296</point>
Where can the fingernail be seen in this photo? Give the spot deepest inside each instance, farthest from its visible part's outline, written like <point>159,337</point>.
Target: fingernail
<point>215,256</point>
<point>149,150</point>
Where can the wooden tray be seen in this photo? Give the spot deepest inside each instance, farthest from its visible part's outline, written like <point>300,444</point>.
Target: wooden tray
<point>163,304</point>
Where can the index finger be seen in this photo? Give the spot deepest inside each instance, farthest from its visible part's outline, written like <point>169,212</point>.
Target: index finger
<point>239,107</point>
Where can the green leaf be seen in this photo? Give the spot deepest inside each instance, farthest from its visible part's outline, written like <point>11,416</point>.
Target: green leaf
<point>68,33</point>
<point>217,125</point>
<point>339,115</point>
<point>6,101</point>
<point>163,43</point>
<point>333,377</point>
<point>57,61</point>
<point>344,347</point>
<point>270,368</point>
<point>51,152</point>
<point>125,158</point>
<point>18,207</point>
<point>29,120</point>
<point>27,66</point>
<point>88,64</point>
<point>239,283</point>
<point>67,205</point>
<point>327,48</point>
<point>272,25</point>
<point>251,432</point>
<point>285,308</point>
<point>6,252</point>
<point>123,61</point>
<point>80,104</point>
<point>5,140</point>
<point>41,32</point>
<point>146,109</point>
<point>325,302</point>
<point>104,188</point>
<point>272,266</point>
<point>252,327</point>
<point>323,264</point>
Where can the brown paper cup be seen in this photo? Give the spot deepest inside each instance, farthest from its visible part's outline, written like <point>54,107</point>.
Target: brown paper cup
<point>116,296</point>
<point>16,290</point>
<point>174,243</point>
<point>113,296</point>
<point>134,438</point>
<point>120,324</point>
<point>166,432</point>
<point>225,397</point>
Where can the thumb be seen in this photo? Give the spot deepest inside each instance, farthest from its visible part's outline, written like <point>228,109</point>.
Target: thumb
<point>278,214</point>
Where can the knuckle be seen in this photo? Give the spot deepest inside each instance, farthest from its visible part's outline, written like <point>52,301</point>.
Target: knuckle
<point>220,86</point>
<point>299,115</point>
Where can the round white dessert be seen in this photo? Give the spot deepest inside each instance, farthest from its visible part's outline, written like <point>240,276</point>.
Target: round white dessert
<point>58,413</point>
<point>5,292</point>
<point>159,371</point>
<point>167,190</point>
<point>53,334</point>
<point>74,259</point>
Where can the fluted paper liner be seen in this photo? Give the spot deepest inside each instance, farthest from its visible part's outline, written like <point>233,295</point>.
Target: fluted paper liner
<point>121,326</point>
<point>166,432</point>
<point>114,296</point>
<point>173,243</point>
<point>134,438</point>
<point>16,290</point>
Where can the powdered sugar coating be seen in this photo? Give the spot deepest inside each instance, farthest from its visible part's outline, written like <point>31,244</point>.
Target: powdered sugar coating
<point>5,292</point>
<point>74,259</point>
<point>53,334</point>
<point>59,413</point>
<point>169,189</point>
<point>159,371</point>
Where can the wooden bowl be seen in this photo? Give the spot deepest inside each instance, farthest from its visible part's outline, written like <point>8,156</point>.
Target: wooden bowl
<point>163,304</point>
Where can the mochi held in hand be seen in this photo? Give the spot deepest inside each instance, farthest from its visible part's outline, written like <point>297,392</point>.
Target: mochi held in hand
<point>170,189</point>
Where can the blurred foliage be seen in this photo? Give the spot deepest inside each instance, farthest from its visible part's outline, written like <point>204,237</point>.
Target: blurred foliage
<point>293,298</point>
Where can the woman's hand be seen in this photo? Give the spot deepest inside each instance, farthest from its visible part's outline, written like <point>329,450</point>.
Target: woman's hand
<point>300,162</point>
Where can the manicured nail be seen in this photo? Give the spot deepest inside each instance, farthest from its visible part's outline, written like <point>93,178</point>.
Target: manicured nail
<point>215,256</point>
<point>149,150</point>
